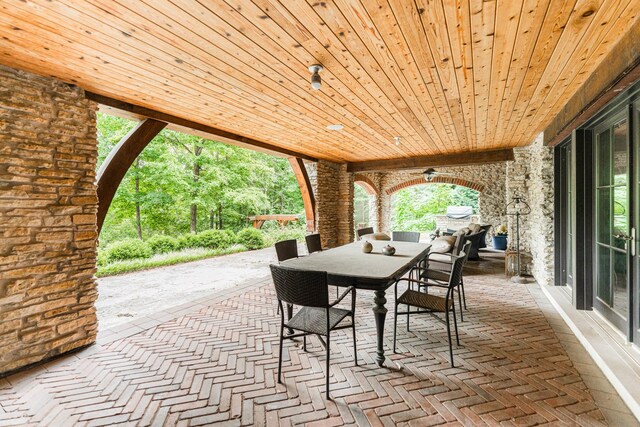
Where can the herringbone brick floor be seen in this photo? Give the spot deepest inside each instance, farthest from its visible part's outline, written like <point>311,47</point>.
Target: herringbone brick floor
<point>218,365</point>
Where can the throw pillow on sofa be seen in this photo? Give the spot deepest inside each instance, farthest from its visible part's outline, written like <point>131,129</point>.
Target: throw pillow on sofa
<point>443,245</point>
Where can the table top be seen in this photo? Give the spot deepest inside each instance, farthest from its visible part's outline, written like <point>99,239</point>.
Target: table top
<point>348,265</point>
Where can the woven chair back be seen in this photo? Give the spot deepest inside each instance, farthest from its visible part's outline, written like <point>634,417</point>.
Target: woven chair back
<point>313,243</point>
<point>286,249</point>
<point>456,269</point>
<point>406,236</point>
<point>363,231</point>
<point>466,249</point>
<point>300,287</point>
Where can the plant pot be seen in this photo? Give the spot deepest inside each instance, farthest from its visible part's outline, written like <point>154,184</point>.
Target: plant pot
<point>499,242</point>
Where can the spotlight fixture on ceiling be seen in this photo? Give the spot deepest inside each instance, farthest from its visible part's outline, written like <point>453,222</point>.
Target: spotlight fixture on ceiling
<point>316,82</point>
<point>336,126</point>
<point>397,140</point>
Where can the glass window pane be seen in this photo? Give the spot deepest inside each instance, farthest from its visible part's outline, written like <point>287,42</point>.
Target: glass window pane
<point>603,201</point>
<point>604,274</point>
<point>619,279</point>
<point>620,156</point>
<point>604,158</point>
<point>620,216</point>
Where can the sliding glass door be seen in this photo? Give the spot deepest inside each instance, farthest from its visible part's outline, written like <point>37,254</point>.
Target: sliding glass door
<point>613,233</point>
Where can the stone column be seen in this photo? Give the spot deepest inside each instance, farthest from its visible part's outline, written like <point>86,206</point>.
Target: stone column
<point>531,176</point>
<point>334,203</point>
<point>48,210</point>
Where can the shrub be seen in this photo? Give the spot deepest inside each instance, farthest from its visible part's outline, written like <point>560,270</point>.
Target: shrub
<point>160,244</point>
<point>216,239</point>
<point>102,257</point>
<point>273,236</point>
<point>128,249</point>
<point>250,238</point>
<point>188,241</point>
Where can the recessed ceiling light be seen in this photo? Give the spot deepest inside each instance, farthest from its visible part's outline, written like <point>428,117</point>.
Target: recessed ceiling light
<point>335,127</point>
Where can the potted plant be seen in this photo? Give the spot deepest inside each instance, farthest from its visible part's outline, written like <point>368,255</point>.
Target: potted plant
<point>500,239</point>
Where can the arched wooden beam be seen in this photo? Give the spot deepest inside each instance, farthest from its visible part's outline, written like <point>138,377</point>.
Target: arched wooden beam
<point>436,180</point>
<point>116,165</point>
<point>365,183</point>
<point>307,192</point>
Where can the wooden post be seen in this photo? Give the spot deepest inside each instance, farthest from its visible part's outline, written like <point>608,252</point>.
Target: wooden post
<point>307,192</point>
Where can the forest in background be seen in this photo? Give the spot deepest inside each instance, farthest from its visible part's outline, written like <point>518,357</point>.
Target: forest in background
<point>183,183</point>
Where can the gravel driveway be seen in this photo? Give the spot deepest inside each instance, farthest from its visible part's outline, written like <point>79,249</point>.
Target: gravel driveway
<point>127,297</point>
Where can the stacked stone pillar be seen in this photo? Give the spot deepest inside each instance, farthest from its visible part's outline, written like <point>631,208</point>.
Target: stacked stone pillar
<point>47,219</point>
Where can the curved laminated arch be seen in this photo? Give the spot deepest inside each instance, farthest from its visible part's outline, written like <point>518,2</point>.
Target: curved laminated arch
<point>436,180</point>
<point>117,163</point>
<point>306,190</point>
<point>365,183</point>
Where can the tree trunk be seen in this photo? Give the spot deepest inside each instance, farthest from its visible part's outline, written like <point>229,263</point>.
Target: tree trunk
<point>194,218</point>
<point>220,217</point>
<point>196,176</point>
<point>138,219</point>
<point>212,219</point>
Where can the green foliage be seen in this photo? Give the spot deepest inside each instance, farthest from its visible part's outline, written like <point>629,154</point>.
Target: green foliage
<point>177,173</point>
<point>160,244</point>
<point>216,239</point>
<point>172,258</point>
<point>360,205</point>
<point>101,258</point>
<point>415,208</point>
<point>250,238</point>
<point>277,234</point>
<point>128,249</point>
<point>188,241</point>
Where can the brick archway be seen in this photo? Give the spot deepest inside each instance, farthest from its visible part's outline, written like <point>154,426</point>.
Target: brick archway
<point>366,183</point>
<point>436,180</point>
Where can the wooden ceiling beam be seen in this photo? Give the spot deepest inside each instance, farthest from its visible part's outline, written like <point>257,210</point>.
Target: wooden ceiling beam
<point>175,122</point>
<point>619,70</point>
<point>459,159</point>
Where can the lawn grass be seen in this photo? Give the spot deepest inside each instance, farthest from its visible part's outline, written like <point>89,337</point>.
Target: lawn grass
<point>185,255</point>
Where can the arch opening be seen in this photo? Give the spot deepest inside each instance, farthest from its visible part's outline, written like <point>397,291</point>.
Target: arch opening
<point>422,207</point>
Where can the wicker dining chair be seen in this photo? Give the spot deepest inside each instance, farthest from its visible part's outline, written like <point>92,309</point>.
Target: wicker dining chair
<point>286,249</point>
<point>406,236</point>
<point>429,303</point>
<point>364,231</point>
<point>313,243</point>
<point>316,316</point>
<point>440,277</point>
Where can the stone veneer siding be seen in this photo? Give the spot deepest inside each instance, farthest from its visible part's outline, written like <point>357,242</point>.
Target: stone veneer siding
<point>47,219</point>
<point>333,191</point>
<point>531,177</point>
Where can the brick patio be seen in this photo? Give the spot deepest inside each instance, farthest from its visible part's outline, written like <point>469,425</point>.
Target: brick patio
<point>217,361</point>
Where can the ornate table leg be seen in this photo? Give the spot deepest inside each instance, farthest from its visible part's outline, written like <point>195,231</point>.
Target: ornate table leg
<point>379,313</point>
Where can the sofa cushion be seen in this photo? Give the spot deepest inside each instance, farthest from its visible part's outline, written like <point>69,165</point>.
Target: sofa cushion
<point>443,244</point>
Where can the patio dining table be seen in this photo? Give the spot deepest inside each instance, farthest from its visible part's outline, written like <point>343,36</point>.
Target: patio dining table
<point>347,265</point>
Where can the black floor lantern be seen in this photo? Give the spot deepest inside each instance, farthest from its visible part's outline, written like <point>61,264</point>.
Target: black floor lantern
<point>518,207</point>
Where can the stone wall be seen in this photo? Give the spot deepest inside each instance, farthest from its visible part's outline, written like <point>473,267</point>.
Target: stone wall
<point>333,190</point>
<point>47,219</point>
<point>531,177</point>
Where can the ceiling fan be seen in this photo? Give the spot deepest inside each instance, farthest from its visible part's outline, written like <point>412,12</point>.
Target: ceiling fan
<point>431,173</point>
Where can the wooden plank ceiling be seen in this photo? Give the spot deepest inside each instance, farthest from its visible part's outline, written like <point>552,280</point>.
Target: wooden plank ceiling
<point>447,76</point>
